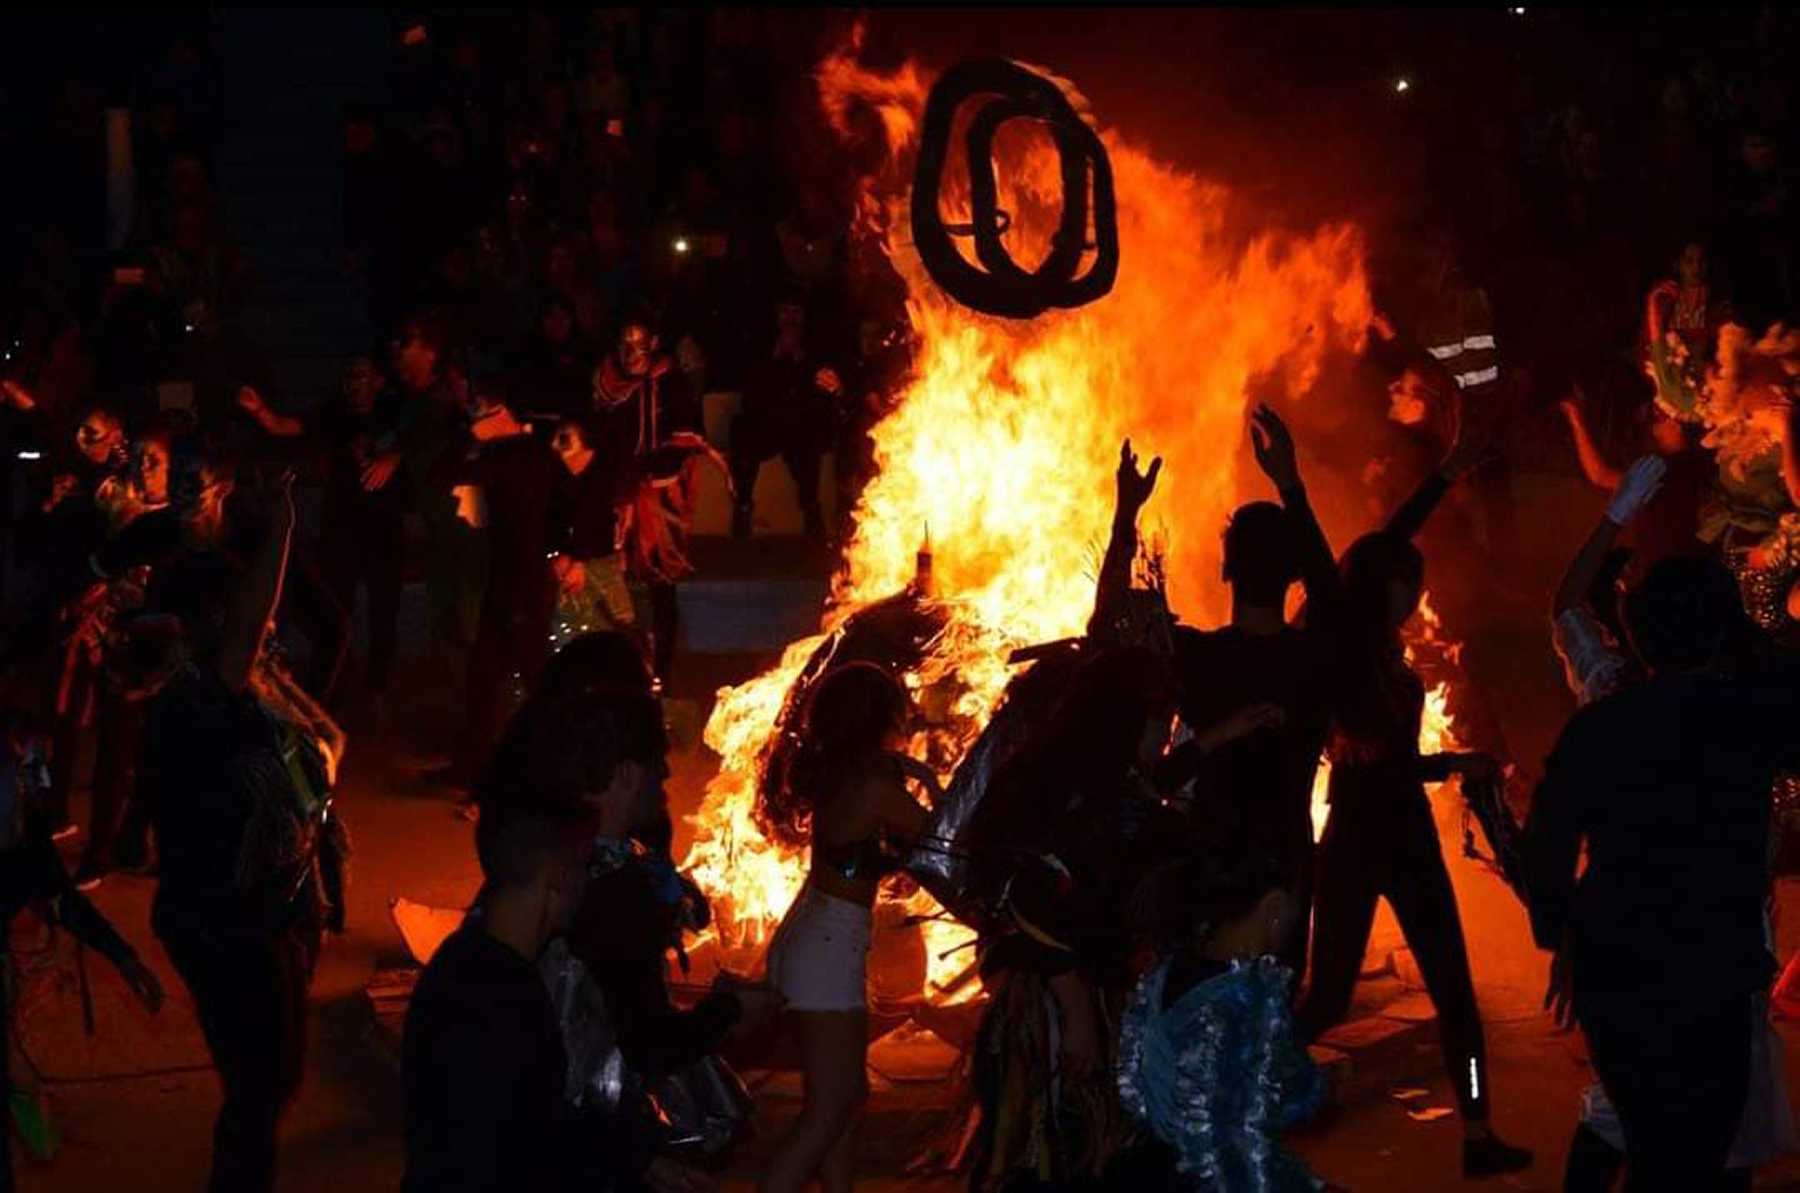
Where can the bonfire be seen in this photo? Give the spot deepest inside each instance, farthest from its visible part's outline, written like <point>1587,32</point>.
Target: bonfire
<point>1003,444</point>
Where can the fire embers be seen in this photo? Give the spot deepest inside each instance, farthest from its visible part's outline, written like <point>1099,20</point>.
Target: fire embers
<point>999,286</point>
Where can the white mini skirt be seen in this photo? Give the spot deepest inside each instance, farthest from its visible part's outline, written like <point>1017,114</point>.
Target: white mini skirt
<point>819,958</point>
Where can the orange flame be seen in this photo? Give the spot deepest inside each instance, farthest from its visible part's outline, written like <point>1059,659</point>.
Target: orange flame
<point>1005,439</point>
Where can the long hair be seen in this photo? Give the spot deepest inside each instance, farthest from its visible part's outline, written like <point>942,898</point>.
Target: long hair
<point>1090,743</point>
<point>848,716</point>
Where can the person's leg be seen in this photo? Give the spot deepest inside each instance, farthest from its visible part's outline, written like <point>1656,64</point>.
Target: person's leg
<point>383,564</point>
<point>340,564</point>
<point>316,611</point>
<point>834,1047</point>
<point>490,665</point>
<point>750,446</point>
<point>113,746</point>
<point>71,715</point>
<point>250,997</point>
<point>1343,913</point>
<point>1425,904</point>
<point>611,593</point>
<point>802,454</point>
<point>131,845</point>
<point>1597,1149</point>
<point>1678,1077</point>
<point>1293,952</point>
<point>1594,1164</point>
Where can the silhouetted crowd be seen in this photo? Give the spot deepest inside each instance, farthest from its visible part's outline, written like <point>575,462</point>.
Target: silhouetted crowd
<point>600,275</point>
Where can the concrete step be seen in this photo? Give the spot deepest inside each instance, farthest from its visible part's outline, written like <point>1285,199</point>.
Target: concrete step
<point>760,595</point>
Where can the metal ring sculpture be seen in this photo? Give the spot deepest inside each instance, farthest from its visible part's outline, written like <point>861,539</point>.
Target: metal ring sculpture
<point>999,286</point>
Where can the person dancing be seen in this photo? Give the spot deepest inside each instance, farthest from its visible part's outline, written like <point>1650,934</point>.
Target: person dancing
<point>845,793</point>
<point>1381,840</point>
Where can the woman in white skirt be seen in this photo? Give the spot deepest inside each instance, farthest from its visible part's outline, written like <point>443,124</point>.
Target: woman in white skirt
<point>845,794</point>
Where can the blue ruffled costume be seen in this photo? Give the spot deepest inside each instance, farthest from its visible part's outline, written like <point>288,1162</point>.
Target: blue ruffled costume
<point>1218,1075</point>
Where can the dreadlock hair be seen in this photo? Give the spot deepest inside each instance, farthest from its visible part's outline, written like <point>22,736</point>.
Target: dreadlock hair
<point>1090,743</point>
<point>1212,883</point>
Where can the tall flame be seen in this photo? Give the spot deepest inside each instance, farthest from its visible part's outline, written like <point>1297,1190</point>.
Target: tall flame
<point>1005,439</point>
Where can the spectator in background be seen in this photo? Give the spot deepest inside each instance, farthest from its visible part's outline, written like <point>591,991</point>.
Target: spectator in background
<point>588,565</point>
<point>1671,526</point>
<point>789,400</point>
<point>1690,305</point>
<point>442,201</point>
<point>644,413</point>
<point>201,275</point>
<point>512,472</point>
<point>218,362</point>
<point>602,93</point>
<point>871,388</point>
<point>431,420</point>
<point>566,276</point>
<point>556,364</point>
<point>144,534</point>
<point>472,306</point>
<point>617,271</point>
<point>503,277</point>
<point>707,270</point>
<point>362,541</point>
<point>1680,176</point>
<point>1761,231</point>
<point>372,215</point>
<point>58,539</point>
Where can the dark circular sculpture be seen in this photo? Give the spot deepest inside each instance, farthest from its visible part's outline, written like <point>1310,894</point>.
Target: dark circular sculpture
<point>999,286</point>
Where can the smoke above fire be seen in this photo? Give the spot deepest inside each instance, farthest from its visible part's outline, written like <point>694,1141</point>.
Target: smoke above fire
<point>1004,442</point>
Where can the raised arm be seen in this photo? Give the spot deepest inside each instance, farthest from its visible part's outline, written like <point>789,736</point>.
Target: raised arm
<point>1275,455</point>
<point>1600,474</point>
<point>272,422</point>
<point>1594,663</point>
<point>258,592</point>
<point>1133,490</point>
<point>1639,483</point>
<point>14,394</point>
<point>1465,453</point>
